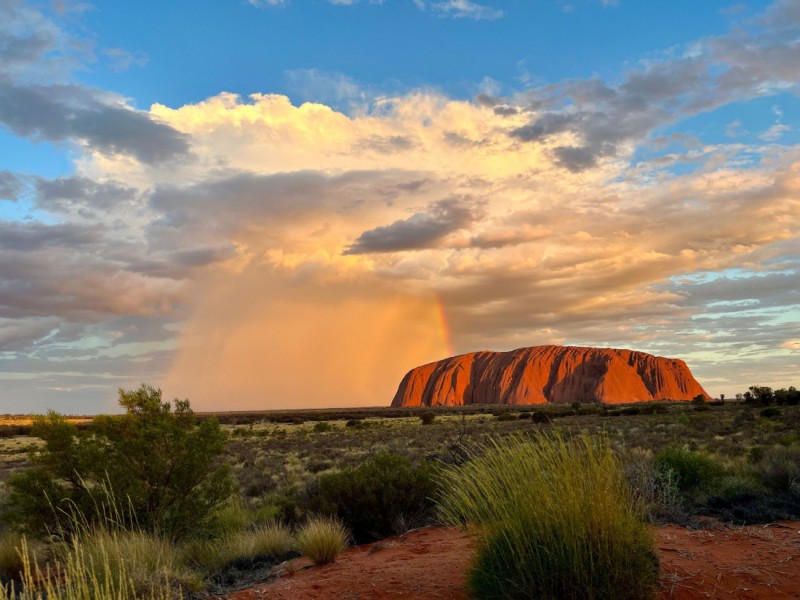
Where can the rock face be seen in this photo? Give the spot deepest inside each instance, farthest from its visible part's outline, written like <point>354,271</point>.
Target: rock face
<point>542,374</point>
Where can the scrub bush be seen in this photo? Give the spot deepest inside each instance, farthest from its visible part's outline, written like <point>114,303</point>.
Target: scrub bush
<point>557,519</point>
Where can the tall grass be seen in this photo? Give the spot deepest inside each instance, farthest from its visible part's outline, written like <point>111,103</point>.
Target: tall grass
<point>322,539</point>
<point>271,542</point>
<point>80,575</point>
<point>557,521</point>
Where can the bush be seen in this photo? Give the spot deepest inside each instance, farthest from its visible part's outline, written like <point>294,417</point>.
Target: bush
<point>771,412</point>
<point>153,467</point>
<point>506,417</point>
<point>558,521</point>
<point>322,540</point>
<point>541,417</point>
<point>268,543</point>
<point>779,470</point>
<point>655,489</point>
<point>322,427</point>
<point>385,495</point>
<point>427,417</point>
<point>694,471</point>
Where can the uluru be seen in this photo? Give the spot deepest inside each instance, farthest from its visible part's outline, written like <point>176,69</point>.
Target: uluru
<point>548,374</point>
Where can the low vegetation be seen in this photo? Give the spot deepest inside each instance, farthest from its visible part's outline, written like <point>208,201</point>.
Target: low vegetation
<point>94,504</point>
<point>160,463</point>
<point>322,539</point>
<point>557,521</point>
<point>385,495</point>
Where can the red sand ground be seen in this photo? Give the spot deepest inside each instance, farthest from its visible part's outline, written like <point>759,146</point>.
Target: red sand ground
<point>760,562</point>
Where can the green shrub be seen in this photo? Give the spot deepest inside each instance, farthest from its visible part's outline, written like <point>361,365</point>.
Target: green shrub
<point>385,495</point>
<point>771,412</point>
<point>322,427</point>
<point>506,417</point>
<point>541,417</point>
<point>156,466</point>
<point>558,522</point>
<point>322,540</point>
<point>654,488</point>
<point>694,470</point>
<point>779,470</point>
<point>230,518</point>
<point>427,417</point>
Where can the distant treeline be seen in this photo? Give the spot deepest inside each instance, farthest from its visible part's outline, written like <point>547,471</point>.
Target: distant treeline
<point>759,394</point>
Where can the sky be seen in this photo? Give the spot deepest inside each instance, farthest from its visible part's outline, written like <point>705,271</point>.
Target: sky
<point>290,203</point>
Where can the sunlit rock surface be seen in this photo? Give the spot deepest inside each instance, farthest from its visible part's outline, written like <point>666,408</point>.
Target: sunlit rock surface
<point>543,374</point>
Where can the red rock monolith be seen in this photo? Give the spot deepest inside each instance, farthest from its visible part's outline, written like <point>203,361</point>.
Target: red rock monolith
<point>544,374</point>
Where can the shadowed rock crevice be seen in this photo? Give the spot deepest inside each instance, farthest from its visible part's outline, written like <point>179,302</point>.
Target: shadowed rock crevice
<point>542,374</point>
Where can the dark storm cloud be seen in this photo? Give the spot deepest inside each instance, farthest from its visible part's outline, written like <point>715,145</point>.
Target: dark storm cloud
<point>81,195</point>
<point>229,202</point>
<point>63,112</point>
<point>24,237</point>
<point>419,231</point>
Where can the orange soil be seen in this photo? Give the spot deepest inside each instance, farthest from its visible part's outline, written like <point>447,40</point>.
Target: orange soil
<point>759,562</point>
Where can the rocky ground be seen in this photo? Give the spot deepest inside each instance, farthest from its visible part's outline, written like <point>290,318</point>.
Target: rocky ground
<point>756,562</point>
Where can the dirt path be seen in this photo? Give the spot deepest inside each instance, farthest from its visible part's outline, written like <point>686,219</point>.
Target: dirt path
<point>752,563</point>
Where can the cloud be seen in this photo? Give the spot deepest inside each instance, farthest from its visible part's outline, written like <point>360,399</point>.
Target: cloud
<point>38,101</point>
<point>457,9</point>
<point>121,60</point>
<point>606,120</point>
<point>72,112</point>
<point>420,230</point>
<point>10,186</point>
<point>466,9</point>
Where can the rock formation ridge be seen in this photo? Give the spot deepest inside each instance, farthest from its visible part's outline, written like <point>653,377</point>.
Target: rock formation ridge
<point>543,374</point>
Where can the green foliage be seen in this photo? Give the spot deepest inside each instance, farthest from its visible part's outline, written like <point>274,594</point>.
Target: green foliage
<point>771,412</point>
<point>153,466</point>
<point>760,394</point>
<point>322,427</point>
<point>557,521</point>
<point>91,572</point>
<point>790,396</point>
<point>322,540</point>
<point>266,543</point>
<point>693,469</point>
<point>427,417</point>
<point>385,495</point>
<point>506,416</point>
<point>779,470</point>
<point>699,400</point>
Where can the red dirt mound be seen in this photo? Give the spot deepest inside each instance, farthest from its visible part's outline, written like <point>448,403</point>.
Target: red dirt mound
<point>748,563</point>
<point>560,374</point>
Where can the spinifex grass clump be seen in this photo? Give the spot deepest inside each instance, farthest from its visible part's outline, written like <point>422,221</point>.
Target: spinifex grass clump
<point>322,540</point>
<point>557,521</point>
